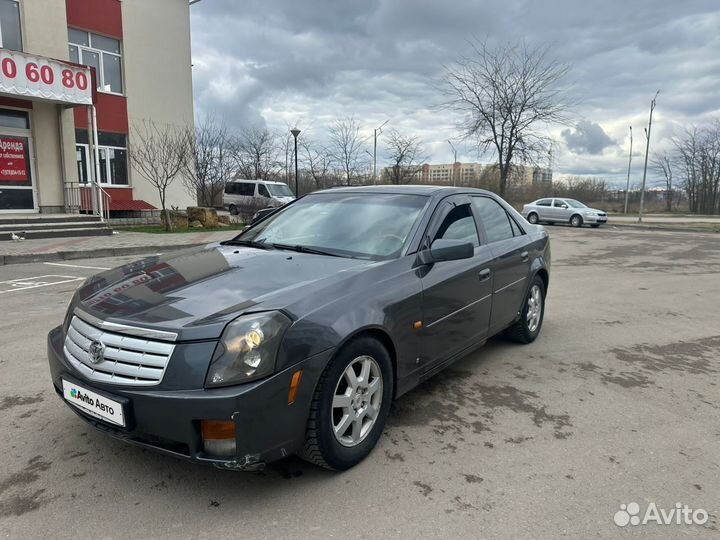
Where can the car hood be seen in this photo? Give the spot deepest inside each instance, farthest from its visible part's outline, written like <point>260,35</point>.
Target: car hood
<point>196,292</point>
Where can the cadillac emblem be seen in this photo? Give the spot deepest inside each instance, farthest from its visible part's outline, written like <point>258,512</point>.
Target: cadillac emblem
<point>95,352</point>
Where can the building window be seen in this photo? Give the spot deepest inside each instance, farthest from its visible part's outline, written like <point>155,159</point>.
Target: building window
<point>112,148</point>
<point>10,31</point>
<point>100,52</point>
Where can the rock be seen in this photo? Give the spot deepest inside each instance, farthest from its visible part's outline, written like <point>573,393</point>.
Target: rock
<point>179,219</point>
<point>224,218</point>
<point>195,224</point>
<point>206,216</point>
<point>223,224</point>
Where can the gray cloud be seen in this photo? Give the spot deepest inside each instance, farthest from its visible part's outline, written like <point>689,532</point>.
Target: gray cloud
<point>276,62</point>
<point>587,138</point>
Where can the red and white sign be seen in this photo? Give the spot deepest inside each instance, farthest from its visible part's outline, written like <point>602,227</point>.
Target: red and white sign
<point>37,77</point>
<point>13,161</point>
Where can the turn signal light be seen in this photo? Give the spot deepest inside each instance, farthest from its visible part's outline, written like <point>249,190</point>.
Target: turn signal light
<point>218,437</point>
<point>294,385</point>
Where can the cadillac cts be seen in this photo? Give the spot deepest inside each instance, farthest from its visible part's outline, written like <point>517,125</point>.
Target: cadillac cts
<point>295,336</point>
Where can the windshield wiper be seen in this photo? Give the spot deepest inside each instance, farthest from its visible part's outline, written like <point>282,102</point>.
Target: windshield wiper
<point>305,249</point>
<point>250,243</point>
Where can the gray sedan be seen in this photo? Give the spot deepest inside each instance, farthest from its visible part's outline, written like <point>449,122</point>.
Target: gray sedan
<point>295,336</point>
<point>559,210</point>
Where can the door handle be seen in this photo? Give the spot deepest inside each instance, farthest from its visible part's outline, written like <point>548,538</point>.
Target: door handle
<point>524,256</point>
<point>484,274</point>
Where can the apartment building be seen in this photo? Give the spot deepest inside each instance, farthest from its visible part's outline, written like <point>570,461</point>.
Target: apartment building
<point>64,63</point>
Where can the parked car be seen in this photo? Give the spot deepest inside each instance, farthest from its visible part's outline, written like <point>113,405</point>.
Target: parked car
<point>241,194</point>
<point>296,335</point>
<point>557,210</point>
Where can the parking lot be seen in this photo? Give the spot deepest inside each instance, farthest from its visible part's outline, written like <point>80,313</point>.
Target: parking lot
<point>616,402</point>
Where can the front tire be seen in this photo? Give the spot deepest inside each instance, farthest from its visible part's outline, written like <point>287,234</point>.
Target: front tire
<point>233,210</point>
<point>533,218</point>
<point>595,225</point>
<point>350,405</point>
<point>527,328</point>
<point>576,221</point>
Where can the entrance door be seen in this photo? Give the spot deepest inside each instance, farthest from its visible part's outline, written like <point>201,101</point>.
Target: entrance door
<point>17,193</point>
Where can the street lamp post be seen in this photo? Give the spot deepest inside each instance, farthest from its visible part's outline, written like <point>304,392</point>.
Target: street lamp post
<point>647,150</point>
<point>295,132</point>
<point>378,131</point>
<point>627,184</point>
<point>454,161</point>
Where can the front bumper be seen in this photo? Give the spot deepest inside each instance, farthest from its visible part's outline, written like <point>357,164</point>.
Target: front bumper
<point>595,219</point>
<point>168,420</point>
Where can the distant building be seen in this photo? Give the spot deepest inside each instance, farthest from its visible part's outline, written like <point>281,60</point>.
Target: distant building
<point>478,174</point>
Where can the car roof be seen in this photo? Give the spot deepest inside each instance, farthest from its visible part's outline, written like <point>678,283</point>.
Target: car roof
<point>234,180</point>
<point>409,189</point>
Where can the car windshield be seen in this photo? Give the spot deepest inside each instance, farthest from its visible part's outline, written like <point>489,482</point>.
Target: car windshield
<point>575,204</point>
<point>279,190</point>
<point>363,225</point>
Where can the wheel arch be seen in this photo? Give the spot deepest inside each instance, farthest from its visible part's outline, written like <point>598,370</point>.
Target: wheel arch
<point>380,334</point>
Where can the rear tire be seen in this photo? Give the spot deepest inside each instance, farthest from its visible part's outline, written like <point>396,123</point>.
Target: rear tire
<point>576,221</point>
<point>533,218</point>
<point>335,403</point>
<point>233,210</point>
<point>528,327</point>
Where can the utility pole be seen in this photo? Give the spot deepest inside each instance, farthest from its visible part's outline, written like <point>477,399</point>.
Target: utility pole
<point>647,150</point>
<point>454,161</point>
<point>627,184</point>
<point>295,132</point>
<point>378,131</point>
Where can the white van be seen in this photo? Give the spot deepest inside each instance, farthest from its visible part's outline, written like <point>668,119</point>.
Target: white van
<point>241,194</point>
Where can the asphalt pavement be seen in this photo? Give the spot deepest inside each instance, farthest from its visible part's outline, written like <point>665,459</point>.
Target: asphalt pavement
<point>616,402</point>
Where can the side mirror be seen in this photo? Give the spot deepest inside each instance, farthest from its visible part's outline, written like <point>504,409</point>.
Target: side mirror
<point>564,206</point>
<point>446,250</point>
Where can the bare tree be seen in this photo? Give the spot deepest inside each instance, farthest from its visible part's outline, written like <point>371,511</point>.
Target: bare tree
<point>506,95</point>
<point>663,165</point>
<point>345,146</point>
<point>257,153</point>
<point>698,156</point>
<point>318,162</point>
<point>158,153</point>
<point>406,158</point>
<point>210,161</point>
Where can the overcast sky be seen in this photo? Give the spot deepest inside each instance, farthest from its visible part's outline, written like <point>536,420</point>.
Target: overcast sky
<point>306,63</point>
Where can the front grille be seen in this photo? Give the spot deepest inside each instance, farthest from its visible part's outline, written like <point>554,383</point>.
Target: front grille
<point>125,360</point>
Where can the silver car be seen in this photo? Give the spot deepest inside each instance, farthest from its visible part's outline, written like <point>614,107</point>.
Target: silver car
<point>557,210</point>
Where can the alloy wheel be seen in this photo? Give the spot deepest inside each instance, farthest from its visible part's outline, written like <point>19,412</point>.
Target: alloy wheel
<point>357,401</point>
<point>534,310</point>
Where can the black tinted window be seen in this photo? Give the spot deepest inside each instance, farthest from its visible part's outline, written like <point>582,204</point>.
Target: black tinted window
<point>543,202</point>
<point>262,191</point>
<point>459,225</point>
<point>559,203</point>
<point>245,188</point>
<point>494,218</point>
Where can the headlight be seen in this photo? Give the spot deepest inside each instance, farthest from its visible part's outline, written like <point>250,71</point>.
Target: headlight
<point>247,349</point>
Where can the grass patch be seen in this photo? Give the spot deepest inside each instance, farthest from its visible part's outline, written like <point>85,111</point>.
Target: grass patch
<point>159,229</point>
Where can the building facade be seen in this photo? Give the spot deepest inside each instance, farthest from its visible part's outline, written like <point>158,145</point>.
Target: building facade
<point>140,54</point>
<point>479,174</point>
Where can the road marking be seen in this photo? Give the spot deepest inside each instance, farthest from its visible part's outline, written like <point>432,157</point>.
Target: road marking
<point>79,266</point>
<point>23,284</point>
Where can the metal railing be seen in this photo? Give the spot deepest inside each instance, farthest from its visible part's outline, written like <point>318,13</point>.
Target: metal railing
<point>79,200</point>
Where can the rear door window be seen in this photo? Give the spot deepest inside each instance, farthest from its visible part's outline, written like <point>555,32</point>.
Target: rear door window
<point>494,218</point>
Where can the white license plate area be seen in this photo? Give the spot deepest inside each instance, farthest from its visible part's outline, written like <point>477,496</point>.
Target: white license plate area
<point>93,403</point>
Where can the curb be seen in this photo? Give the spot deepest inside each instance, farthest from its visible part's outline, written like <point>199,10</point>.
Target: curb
<point>91,253</point>
<point>661,227</point>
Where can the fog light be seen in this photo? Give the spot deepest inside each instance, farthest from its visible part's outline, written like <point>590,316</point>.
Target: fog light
<point>218,437</point>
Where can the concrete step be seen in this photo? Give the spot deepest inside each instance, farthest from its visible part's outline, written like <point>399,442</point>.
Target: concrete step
<point>42,225</point>
<point>8,219</point>
<point>56,233</point>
